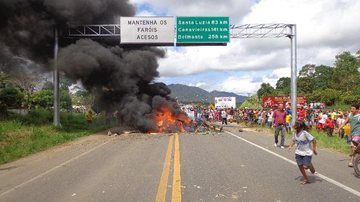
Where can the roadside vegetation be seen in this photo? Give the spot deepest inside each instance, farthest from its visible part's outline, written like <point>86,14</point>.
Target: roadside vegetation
<point>336,85</point>
<point>24,135</point>
<point>30,94</point>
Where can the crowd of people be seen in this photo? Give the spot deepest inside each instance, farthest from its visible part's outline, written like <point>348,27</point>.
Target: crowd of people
<point>345,124</point>
<point>328,121</point>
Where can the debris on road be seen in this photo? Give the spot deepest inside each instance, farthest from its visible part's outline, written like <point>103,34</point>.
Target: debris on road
<point>207,127</point>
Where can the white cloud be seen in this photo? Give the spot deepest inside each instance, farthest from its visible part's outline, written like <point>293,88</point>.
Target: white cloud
<point>146,13</point>
<point>324,29</point>
<point>319,23</point>
<point>234,8</point>
<point>241,85</point>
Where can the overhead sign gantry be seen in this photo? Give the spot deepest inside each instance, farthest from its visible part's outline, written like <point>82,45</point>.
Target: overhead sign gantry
<point>190,31</point>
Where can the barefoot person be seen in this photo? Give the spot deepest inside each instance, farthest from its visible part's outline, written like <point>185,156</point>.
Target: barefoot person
<point>303,151</point>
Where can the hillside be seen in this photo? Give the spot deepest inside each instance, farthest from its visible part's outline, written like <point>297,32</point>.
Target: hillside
<point>187,94</point>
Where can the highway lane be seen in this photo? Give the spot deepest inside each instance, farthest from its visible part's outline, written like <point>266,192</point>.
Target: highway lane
<point>232,169</point>
<point>229,166</point>
<point>122,169</point>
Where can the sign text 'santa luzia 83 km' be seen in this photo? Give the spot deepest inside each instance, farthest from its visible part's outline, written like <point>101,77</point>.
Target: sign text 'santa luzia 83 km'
<point>202,30</point>
<point>147,30</point>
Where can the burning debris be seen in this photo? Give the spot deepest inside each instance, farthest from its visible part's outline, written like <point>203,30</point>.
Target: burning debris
<point>206,126</point>
<point>122,78</point>
<point>168,120</point>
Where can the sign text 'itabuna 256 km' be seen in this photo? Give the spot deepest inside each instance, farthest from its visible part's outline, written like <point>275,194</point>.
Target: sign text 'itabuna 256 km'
<point>161,30</point>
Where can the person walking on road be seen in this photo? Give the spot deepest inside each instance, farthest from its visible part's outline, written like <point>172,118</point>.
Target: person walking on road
<point>303,151</point>
<point>224,116</point>
<point>354,120</point>
<point>279,124</point>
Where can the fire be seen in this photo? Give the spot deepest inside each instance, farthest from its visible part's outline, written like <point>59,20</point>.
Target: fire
<point>167,121</point>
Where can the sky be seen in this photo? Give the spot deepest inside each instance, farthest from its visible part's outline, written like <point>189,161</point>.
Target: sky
<point>325,28</point>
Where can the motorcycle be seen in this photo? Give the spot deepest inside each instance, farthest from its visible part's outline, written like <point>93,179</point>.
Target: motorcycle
<point>356,162</point>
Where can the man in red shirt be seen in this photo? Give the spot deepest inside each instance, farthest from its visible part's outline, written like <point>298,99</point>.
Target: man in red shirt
<point>330,125</point>
<point>301,114</point>
<point>280,125</point>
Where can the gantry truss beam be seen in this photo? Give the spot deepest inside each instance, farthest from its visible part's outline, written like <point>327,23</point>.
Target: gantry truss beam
<point>93,30</point>
<point>260,31</point>
<point>236,31</point>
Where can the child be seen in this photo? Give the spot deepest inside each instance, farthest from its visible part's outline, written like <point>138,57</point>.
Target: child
<point>303,152</point>
<point>347,132</point>
<point>288,122</point>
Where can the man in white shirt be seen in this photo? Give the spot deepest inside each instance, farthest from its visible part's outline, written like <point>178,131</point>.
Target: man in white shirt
<point>224,116</point>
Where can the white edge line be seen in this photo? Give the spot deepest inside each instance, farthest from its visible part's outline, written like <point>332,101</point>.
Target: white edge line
<point>353,191</point>
<point>52,169</point>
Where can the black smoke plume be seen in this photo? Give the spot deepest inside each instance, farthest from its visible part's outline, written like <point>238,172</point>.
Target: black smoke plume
<point>122,78</point>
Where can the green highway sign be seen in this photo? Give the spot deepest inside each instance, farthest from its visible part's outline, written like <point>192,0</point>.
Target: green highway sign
<point>202,30</point>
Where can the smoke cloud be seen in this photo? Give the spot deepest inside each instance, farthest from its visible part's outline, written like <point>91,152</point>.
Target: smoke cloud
<point>120,77</point>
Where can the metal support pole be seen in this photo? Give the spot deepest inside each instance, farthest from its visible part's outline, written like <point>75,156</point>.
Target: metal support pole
<point>293,74</point>
<point>56,82</point>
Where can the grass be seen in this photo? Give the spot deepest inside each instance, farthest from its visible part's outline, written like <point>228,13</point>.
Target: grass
<point>334,143</point>
<point>20,138</point>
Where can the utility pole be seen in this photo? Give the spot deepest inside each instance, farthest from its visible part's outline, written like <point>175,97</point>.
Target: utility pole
<point>56,81</point>
<point>293,73</point>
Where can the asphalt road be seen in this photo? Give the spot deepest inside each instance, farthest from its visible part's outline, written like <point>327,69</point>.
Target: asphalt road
<point>228,166</point>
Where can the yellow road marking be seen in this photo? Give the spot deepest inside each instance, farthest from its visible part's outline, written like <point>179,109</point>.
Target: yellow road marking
<point>161,193</point>
<point>176,191</point>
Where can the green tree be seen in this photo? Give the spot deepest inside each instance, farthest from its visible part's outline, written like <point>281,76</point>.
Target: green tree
<point>65,83</point>
<point>350,98</point>
<point>346,74</point>
<point>306,81</point>
<point>45,99</point>
<point>82,97</point>
<point>283,86</point>
<point>11,97</point>
<point>48,85</point>
<point>265,90</point>
<point>307,71</point>
<point>328,96</point>
<point>42,99</point>
<point>305,85</point>
<point>65,100</point>
<point>323,77</point>
<point>251,102</point>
